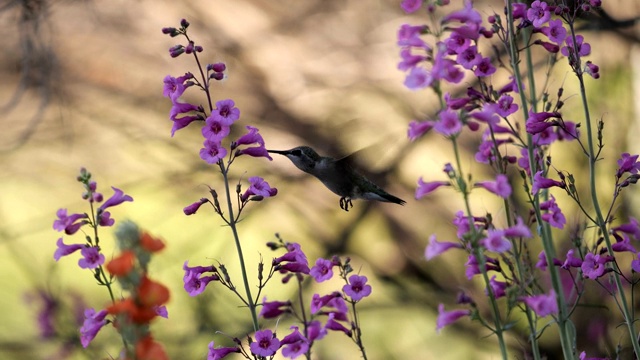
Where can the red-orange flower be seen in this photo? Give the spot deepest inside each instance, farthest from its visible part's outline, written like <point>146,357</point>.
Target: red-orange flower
<point>150,243</point>
<point>148,349</point>
<point>122,264</point>
<point>151,293</point>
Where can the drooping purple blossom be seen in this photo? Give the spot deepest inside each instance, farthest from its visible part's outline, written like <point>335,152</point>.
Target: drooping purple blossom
<point>94,321</point>
<point>425,188</point>
<point>435,247</point>
<point>496,241</point>
<point>542,304</point>
<point>273,309</point>
<point>258,187</point>
<point>500,186</point>
<point>220,352</point>
<point>553,214</point>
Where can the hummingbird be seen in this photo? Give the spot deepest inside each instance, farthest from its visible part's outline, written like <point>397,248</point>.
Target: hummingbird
<point>338,176</point>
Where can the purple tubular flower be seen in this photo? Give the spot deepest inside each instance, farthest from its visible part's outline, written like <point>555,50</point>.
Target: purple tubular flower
<point>448,123</point>
<point>316,331</point>
<point>322,270</point>
<point>334,325</point>
<point>296,260</point>
<point>410,36</point>
<point>436,247</point>
<point>259,187</point>
<point>180,123</point>
<point>627,163</point>
<point>411,6</point>
<point>467,15</point>
<point>500,186</point>
<point>631,228</point>
<point>553,215</point>
<point>593,266</point>
<point>227,110</point>
<point>496,241</point>
<point>251,137</point>
<point>540,182</point>
<point>91,258</point>
<point>317,301</point>
<point>94,321</point>
<point>418,128</point>
<point>497,287</point>
<point>357,287</point>
<point>418,78</point>
<point>538,13</point>
<point>555,31</point>
<point>294,344</point>
<point>116,199</point>
<point>518,230</point>
<point>212,152</point>
<point>542,304</point>
<point>221,352</point>
<point>571,260</point>
<point>272,309</point>
<point>447,317</point>
<point>64,250</point>
<point>68,223</point>
<point>216,128</point>
<point>193,208</point>
<point>255,151</point>
<point>266,344</point>
<point>425,188</point>
<point>194,283</point>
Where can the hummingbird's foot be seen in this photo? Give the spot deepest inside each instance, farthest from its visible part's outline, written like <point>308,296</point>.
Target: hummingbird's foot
<point>345,202</point>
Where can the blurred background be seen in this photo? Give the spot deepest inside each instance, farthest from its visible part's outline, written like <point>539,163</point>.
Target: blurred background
<point>82,87</point>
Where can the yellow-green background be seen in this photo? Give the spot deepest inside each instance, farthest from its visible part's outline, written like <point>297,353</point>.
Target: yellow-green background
<point>81,85</point>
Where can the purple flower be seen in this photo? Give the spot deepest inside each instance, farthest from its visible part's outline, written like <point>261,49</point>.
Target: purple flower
<point>436,247</point>
<point>194,283</point>
<point>553,215</point>
<point>180,123</point>
<point>418,128</point>
<point>255,151</point>
<point>540,182</point>
<point>449,123</point>
<point>410,6</point>
<point>272,309</point>
<point>216,128</point>
<point>193,208</point>
<point>497,287</point>
<point>635,264</point>
<point>571,260</point>
<point>627,163</point>
<point>623,243</point>
<point>447,317</point>
<point>294,344</point>
<point>266,344</point>
<point>175,87</point>
<point>322,270</point>
<point>446,69</point>
<point>584,49</point>
<point>631,228</point>
<point>496,242</point>
<point>473,267</point>
<point>593,266</point>
<point>505,105</point>
<point>212,152</point>
<point>104,219</point>
<point>538,13</point>
<point>520,229</point>
<point>226,110</point>
<point>317,301</point>
<point>418,78</point>
<point>68,223</point>
<point>425,188</point>
<point>334,325</point>
<point>64,250</point>
<point>409,60</point>
<point>467,15</point>
<point>116,199</point>
<point>410,36</point>
<point>221,352</point>
<point>499,187</point>
<point>543,304</point>
<point>296,260</point>
<point>251,137</point>
<point>94,321</point>
<point>555,31</point>
<point>259,187</point>
<point>357,287</point>
<point>316,331</point>
<point>484,68</point>
<point>91,258</point>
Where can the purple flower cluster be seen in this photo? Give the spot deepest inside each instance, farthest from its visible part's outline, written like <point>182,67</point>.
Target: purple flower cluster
<point>100,217</point>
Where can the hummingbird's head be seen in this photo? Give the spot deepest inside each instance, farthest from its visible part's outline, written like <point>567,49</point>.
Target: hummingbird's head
<point>303,157</point>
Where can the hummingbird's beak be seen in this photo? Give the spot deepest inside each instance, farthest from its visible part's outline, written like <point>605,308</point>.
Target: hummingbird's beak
<point>281,152</point>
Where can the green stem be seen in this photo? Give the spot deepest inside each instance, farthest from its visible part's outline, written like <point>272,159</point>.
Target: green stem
<point>600,220</point>
<point>236,238</point>
<point>544,230</point>
<point>499,330</point>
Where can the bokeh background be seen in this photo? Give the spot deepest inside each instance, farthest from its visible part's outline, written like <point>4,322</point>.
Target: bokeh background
<point>81,86</point>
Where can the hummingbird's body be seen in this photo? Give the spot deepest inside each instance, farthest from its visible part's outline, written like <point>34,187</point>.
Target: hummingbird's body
<point>338,176</point>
